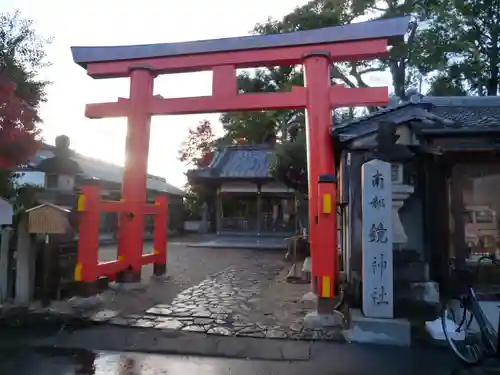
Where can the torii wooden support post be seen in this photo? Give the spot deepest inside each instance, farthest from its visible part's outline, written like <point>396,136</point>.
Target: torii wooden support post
<point>315,49</point>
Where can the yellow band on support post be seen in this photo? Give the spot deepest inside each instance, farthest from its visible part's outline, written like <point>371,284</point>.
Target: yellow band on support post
<point>326,287</point>
<point>78,272</point>
<point>327,204</point>
<point>81,203</point>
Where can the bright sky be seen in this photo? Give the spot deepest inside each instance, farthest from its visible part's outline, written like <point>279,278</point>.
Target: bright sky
<point>115,22</point>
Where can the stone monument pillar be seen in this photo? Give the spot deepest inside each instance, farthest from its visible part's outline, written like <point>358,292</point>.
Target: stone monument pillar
<point>383,194</point>
<point>378,286</point>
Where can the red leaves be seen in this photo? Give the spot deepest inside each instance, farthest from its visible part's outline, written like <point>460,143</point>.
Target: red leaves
<point>7,89</point>
<point>205,160</point>
<point>18,128</point>
<point>197,149</point>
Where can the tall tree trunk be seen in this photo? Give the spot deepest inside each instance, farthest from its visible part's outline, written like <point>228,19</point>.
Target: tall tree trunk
<point>492,85</point>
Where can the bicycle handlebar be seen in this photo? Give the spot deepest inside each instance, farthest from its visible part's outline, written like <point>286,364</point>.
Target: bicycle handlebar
<point>454,269</point>
<point>491,257</point>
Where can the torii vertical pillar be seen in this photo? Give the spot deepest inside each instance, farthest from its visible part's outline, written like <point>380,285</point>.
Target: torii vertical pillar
<point>323,228</point>
<point>131,230</point>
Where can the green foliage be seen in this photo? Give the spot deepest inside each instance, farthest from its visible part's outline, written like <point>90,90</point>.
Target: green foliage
<point>445,84</point>
<point>461,42</point>
<point>290,164</point>
<point>453,45</point>
<point>21,197</point>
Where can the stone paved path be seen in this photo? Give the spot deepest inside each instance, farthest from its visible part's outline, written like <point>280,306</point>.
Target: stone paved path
<point>231,292</point>
<point>249,300</point>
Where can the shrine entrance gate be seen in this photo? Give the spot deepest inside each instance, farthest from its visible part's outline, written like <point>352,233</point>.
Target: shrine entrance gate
<point>316,50</point>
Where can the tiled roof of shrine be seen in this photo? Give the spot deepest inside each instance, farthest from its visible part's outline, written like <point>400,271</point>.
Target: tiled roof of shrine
<point>430,112</point>
<point>239,162</point>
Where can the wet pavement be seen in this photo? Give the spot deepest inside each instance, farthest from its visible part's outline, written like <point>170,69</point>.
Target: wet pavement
<point>228,292</point>
<point>341,360</point>
<point>244,242</point>
<point>229,303</point>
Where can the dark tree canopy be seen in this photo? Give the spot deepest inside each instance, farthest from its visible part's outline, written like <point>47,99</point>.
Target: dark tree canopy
<point>451,47</point>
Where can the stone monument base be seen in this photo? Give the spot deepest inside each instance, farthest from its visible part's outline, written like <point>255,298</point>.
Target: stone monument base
<point>378,330</point>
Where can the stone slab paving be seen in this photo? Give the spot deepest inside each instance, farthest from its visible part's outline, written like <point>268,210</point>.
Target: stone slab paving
<point>223,292</point>
<point>249,301</point>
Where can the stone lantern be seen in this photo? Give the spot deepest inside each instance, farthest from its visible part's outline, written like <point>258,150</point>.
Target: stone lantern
<point>391,150</point>
<point>60,174</point>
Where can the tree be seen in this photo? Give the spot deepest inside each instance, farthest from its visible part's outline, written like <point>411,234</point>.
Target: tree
<point>267,126</point>
<point>461,43</point>
<point>197,150</point>
<point>445,84</point>
<point>22,56</point>
<point>286,126</point>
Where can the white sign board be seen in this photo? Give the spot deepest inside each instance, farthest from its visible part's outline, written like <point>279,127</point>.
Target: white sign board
<point>378,280</point>
<point>6,212</point>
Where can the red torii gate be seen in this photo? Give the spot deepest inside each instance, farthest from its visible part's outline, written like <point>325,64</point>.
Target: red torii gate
<point>316,50</point>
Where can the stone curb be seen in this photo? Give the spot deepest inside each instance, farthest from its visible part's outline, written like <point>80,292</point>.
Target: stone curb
<point>112,338</point>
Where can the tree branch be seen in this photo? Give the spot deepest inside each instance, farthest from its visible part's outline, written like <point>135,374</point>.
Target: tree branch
<point>336,73</point>
<point>357,75</point>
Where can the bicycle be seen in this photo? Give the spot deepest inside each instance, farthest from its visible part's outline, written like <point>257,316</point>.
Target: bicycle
<point>478,338</point>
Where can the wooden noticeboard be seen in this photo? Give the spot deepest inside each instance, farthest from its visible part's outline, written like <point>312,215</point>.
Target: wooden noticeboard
<point>48,219</point>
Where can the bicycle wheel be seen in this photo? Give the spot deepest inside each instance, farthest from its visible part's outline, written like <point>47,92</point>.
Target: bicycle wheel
<point>461,331</point>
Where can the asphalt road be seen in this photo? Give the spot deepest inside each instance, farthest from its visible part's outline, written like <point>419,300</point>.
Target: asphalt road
<point>348,360</point>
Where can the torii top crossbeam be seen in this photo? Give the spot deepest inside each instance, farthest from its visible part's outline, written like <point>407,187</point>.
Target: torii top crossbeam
<point>107,62</point>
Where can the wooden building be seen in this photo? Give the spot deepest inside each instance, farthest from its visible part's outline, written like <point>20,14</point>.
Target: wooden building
<point>245,198</point>
<point>445,197</point>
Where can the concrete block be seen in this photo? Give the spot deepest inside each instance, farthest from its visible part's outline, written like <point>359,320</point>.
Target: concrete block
<point>85,304</point>
<point>427,291</point>
<point>126,287</point>
<point>309,300</point>
<point>314,320</point>
<point>381,331</point>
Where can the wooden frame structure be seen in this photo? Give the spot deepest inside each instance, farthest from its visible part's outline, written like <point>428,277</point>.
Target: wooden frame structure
<point>316,50</point>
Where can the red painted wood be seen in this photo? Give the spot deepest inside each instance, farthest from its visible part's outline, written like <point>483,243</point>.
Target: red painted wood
<point>205,104</point>
<point>369,96</point>
<point>88,234</point>
<point>125,207</point>
<point>131,231</point>
<point>347,51</point>
<point>148,258</point>
<point>161,230</point>
<point>111,268</point>
<point>295,99</point>
<point>320,161</point>
<point>224,81</point>
<point>318,97</point>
